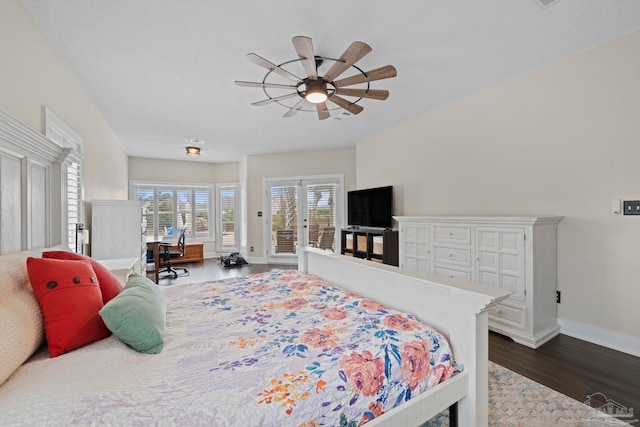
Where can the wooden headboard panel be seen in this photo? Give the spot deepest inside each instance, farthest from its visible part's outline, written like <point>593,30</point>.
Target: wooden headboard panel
<point>31,188</point>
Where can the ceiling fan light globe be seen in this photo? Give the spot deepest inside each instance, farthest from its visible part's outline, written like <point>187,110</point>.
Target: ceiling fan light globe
<point>316,96</point>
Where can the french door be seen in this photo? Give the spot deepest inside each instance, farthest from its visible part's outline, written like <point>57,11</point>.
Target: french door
<point>298,213</point>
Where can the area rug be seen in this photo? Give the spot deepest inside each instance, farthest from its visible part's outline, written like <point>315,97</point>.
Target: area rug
<point>517,401</point>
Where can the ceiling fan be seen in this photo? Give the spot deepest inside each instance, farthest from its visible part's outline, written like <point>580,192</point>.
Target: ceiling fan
<point>315,90</point>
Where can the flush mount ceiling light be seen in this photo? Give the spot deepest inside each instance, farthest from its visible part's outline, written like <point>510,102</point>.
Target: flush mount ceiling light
<point>315,89</point>
<point>193,151</point>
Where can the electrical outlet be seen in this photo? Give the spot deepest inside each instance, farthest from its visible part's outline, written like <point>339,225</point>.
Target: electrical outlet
<point>631,207</point>
<point>558,297</point>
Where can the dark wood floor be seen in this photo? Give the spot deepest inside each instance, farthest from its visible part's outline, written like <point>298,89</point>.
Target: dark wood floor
<point>571,366</point>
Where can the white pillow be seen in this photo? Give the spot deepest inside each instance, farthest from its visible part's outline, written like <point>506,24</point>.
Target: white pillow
<point>21,323</point>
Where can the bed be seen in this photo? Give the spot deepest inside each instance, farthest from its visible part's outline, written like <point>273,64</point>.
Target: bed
<point>108,383</point>
<point>288,347</point>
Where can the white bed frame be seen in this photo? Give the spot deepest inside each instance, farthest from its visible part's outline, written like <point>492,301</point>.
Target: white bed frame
<point>33,185</point>
<point>457,309</point>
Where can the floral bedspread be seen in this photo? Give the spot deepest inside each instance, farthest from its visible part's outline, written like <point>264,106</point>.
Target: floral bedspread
<point>274,349</point>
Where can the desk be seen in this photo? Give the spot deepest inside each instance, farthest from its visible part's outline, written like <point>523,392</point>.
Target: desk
<point>193,252</point>
<point>153,245</point>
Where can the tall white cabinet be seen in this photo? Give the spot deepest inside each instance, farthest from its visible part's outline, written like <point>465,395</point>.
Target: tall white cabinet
<point>513,253</point>
<point>118,231</point>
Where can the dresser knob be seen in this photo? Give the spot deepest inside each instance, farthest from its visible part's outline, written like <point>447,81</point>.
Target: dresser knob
<point>450,255</point>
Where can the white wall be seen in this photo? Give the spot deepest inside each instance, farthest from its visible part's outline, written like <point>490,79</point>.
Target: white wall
<point>562,140</point>
<point>33,76</point>
<point>182,171</point>
<point>326,162</point>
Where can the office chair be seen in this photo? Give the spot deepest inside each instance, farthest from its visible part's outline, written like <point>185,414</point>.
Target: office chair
<point>166,255</point>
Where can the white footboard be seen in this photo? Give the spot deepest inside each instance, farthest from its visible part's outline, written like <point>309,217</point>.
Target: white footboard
<point>457,309</point>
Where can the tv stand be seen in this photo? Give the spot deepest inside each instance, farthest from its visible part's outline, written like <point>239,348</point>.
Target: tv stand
<point>380,245</point>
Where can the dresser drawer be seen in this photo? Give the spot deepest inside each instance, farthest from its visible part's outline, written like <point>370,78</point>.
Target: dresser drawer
<point>515,317</point>
<point>451,273</point>
<point>193,252</point>
<point>457,234</point>
<point>448,254</point>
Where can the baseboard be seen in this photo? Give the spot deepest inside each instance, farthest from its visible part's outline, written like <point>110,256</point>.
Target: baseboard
<point>214,255</point>
<point>257,260</point>
<point>599,336</point>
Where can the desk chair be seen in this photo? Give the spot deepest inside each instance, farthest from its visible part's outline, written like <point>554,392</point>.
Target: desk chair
<point>166,255</point>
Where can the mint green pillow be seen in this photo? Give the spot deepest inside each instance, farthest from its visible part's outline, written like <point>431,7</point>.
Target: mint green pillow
<point>137,315</point>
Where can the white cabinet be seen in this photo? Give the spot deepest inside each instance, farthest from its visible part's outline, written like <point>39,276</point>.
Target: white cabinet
<point>513,253</point>
<point>414,250</point>
<point>118,231</point>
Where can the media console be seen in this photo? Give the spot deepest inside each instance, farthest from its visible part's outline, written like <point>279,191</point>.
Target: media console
<point>380,245</point>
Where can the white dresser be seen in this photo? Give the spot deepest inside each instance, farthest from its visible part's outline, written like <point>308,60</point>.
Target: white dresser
<point>513,253</point>
<point>118,231</point>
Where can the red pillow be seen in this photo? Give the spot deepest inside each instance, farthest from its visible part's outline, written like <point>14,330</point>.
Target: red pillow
<point>70,298</point>
<point>110,285</point>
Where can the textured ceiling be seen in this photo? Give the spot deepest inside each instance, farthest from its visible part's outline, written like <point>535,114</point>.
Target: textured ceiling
<point>161,71</point>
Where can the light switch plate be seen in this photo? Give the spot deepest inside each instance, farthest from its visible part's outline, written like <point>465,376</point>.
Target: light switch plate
<point>631,207</point>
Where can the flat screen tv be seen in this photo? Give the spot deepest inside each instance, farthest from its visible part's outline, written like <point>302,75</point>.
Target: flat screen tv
<point>371,207</point>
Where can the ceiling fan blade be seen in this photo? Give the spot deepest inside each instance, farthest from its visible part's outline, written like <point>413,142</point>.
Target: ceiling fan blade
<point>385,72</point>
<point>323,111</point>
<point>258,60</point>
<point>304,48</point>
<point>293,110</point>
<point>353,54</point>
<point>275,99</point>
<point>343,103</point>
<point>378,94</point>
<point>268,85</point>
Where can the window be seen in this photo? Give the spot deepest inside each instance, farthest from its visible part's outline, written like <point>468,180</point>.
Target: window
<point>243,215</point>
<point>74,204</point>
<point>170,208</point>
<point>71,181</point>
<point>228,234</point>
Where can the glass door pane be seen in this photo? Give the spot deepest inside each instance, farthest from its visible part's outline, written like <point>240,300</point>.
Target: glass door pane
<point>284,219</point>
<point>320,214</point>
